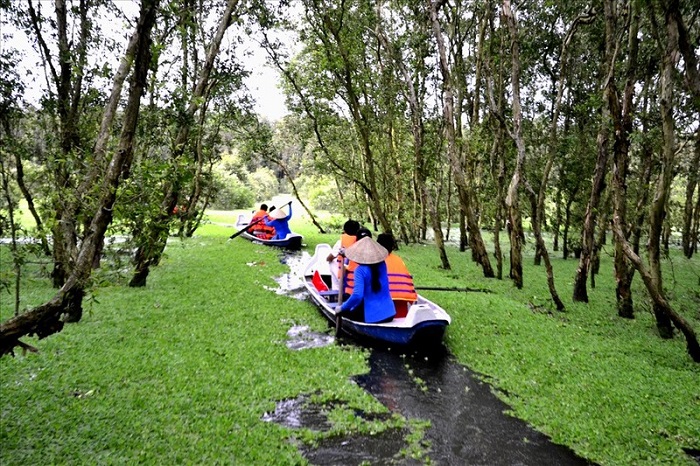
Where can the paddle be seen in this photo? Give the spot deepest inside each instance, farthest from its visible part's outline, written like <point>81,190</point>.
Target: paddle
<point>341,291</point>
<point>254,223</point>
<point>465,289</point>
<point>246,228</point>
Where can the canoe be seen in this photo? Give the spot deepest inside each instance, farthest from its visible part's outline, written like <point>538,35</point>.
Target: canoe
<point>420,323</point>
<point>292,241</point>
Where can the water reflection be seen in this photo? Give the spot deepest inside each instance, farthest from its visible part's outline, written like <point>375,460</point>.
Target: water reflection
<point>468,422</point>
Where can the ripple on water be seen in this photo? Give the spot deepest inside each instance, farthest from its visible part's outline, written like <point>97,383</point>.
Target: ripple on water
<point>301,337</point>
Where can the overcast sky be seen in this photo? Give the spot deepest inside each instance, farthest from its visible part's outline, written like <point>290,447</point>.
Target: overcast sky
<point>262,83</point>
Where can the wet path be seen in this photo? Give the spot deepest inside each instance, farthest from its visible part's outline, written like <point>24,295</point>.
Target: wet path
<point>468,422</point>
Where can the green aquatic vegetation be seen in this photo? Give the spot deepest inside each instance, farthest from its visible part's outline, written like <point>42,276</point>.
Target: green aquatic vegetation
<point>609,388</point>
<point>183,370</point>
<point>180,371</point>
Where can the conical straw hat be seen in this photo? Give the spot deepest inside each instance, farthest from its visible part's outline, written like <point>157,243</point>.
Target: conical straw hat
<point>366,251</point>
<point>277,214</point>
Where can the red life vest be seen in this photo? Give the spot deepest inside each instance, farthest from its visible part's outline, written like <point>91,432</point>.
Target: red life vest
<point>400,281</point>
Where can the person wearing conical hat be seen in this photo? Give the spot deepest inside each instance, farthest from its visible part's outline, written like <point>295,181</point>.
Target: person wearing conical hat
<point>280,222</point>
<point>370,300</point>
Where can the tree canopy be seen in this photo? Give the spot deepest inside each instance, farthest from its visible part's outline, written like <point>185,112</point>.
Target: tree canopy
<point>575,122</point>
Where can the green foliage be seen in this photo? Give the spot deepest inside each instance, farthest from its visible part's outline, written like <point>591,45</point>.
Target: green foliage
<point>263,183</point>
<point>231,193</point>
<point>321,191</point>
<point>183,370</point>
<point>179,372</point>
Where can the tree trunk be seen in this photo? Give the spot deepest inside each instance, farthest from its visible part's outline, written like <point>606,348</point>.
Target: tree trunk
<point>688,209</point>
<point>557,219</point>
<point>660,301</point>
<point>567,228</point>
<point>659,204</point>
<point>515,228</point>
<point>622,114</point>
<point>543,249</point>
<point>452,149</point>
<point>152,238</point>
<point>66,305</point>
<point>599,241</point>
<point>498,173</point>
<point>580,293</point>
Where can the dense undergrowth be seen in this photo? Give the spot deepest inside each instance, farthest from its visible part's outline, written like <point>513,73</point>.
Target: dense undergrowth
<point>183,370</point>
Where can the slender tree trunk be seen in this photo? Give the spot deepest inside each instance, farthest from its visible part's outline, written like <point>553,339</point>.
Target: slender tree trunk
<point>515,228</point>
<point>567,227</point>
<point>688,209</point>
<point>46,319</point>
<point>452,150</point>
<point>659,204</point>
<point>556,226</point>
<point>600,237</point>
<point>622,114</point>
<point>498,173</point>
<point>660,301</point>
<point>152,238</point>
<point>543,249</point>
<point>580,293</point>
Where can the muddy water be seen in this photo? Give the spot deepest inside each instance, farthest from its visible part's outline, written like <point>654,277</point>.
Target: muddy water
<point>468,422</point>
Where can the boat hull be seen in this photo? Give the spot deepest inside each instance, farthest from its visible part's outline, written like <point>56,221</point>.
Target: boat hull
<point>423,325</point>
<point>292,242</point>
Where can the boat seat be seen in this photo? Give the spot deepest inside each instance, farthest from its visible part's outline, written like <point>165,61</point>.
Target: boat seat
<point>331,296</point>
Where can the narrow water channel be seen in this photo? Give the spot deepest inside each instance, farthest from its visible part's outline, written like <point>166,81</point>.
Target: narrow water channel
<point>468,423</point>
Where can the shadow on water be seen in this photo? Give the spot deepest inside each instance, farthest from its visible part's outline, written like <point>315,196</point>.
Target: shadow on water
<point>468,423</point>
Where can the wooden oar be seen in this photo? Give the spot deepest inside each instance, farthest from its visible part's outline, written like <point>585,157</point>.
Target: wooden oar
<point>254,223</point>
<point>341,291</point>
<point>246,228</point>
<point>464,290</point>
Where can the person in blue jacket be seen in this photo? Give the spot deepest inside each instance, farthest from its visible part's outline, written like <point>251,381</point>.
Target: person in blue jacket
<point>370,300</point>
<point>280,222</point>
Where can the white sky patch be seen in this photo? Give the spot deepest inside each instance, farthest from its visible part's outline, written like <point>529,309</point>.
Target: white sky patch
<point>262,82</point>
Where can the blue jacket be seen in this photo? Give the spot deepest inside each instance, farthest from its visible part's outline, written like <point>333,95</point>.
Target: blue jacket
<point>378,306</point>
<point>280,225</point>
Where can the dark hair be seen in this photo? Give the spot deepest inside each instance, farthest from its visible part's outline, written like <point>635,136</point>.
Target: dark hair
<point>263,206</point>
<point>376,284</point>
<point>387,240</point>
<point>362,233</point>
<point>351,226</point>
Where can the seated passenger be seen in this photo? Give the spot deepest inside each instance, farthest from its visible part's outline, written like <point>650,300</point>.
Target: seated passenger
<point>400,281</point>
<point>370,300</point>
<point>258,220</point>
<point>362,232</point>
<point>280,222</point>
<point>347,238</point>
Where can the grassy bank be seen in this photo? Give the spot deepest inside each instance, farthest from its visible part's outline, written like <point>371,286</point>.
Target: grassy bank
<point>183,370</point>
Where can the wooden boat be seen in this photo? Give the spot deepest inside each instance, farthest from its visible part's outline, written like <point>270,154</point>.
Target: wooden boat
<point>420,323</point>
<point>292,241</point>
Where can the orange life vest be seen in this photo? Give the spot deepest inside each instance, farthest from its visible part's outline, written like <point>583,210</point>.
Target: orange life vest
<point>400,281</point>
<point>350,266</point>
<point>260,230</point>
